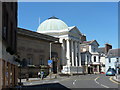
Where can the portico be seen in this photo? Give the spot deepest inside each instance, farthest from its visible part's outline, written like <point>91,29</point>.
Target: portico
<point>70,39</point>
<point>72,52</point>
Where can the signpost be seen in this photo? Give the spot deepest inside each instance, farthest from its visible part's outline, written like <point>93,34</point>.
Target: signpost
<point>50,65</point>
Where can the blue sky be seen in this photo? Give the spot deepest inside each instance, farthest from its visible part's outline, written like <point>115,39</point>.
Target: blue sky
<point>98,20</point>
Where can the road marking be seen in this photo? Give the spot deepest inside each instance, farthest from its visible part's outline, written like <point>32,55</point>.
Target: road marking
<point>99,83</point>
<point>74,82</point>
<point>30,83</point>
<point>104,86</point>
<point>113,80</point>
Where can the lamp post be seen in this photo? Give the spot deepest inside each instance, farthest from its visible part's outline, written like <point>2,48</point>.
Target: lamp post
<point>51,56</point>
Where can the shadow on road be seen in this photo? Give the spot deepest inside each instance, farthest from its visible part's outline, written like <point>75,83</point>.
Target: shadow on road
<point>51,86</point>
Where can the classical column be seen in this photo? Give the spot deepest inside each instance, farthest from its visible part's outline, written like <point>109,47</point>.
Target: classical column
<point>76,53</point>
<point>79,54</point>
<point>98,68</point>
<point>72,50</point>
<point>63,52</point>
<point>68,52</point>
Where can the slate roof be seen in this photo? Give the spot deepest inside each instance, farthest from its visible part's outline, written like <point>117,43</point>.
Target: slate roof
<point>37,35</point>
<point>114,53</point>
<point>101,50</point>
<point>89,42</point>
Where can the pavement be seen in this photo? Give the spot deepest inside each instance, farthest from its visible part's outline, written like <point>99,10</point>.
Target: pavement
<point>38,79</point>
<point>117,78</point>
<point>48,79</point>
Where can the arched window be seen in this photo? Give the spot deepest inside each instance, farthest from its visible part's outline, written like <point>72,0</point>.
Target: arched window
<point>94,58</point>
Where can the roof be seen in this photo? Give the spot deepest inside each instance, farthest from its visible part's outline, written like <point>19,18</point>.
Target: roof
<point>101,50</point>
<point>114,53</point>
<point>89,42</point>
<point>53,17</point>
<point>51,24</point>
<point>33,34</point>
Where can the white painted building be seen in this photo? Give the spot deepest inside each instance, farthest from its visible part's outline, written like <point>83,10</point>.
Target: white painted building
<point>103,52</point>
<point>113,60</point>
<point>70,39</point>
<point>92,47</point>
<point>86,61</point>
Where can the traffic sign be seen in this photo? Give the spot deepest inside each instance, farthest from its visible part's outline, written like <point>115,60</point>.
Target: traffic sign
<point>50,62</point>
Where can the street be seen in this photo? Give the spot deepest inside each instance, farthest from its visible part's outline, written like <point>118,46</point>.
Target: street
<point>72,82</point>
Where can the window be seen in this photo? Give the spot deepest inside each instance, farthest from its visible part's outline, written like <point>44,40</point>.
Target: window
<point>5,28</point>
<point>109,60</point>
<point>30,59</point>
<point>117,59</point>
<point>93,49</point>
<point>41,60</point>
<point>94,58</point>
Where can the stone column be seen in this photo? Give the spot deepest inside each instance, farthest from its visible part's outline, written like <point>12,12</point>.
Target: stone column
<point>63,52</point>
<point>98,68</point>
<point>76,53</point>
<point>72,50</point>
<point>79,54</point>
<point>68,52</point>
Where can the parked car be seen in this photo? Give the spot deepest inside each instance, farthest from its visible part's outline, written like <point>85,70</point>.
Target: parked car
<point>111,72</point>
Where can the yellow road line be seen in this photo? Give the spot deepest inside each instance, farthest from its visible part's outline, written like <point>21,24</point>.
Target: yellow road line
<point>96,78</point>
<point>113,80</point>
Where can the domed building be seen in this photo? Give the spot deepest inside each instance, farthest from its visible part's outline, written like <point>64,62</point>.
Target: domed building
<point>70,39</point>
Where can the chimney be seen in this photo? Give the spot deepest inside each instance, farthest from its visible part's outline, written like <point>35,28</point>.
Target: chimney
<point>83,38</point>
<point>107,47</point>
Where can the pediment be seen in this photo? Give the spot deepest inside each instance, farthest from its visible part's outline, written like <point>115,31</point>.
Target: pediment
<point>74,30</point>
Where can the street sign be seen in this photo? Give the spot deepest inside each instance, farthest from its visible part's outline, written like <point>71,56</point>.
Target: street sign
<point>50,62</point>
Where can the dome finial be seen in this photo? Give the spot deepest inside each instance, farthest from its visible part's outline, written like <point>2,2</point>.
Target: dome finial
<point>53,17</point>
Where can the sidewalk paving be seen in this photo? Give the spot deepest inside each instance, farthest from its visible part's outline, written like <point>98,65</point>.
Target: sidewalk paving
<point>117,78</point>
<point>36,81</point>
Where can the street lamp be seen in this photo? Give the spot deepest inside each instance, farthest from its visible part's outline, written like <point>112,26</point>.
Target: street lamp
<point>51,56</point>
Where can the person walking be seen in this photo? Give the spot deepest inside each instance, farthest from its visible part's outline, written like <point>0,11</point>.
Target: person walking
<point>42,75</point>
<point>38,74</point>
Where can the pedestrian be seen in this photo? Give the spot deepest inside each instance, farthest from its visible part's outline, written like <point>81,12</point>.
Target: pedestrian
<point>42,75</point>
<point>38,74</point>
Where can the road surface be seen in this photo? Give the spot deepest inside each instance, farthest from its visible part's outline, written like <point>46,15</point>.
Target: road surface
<point>76,82</point>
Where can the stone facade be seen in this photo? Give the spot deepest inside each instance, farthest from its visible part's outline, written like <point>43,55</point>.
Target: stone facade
<point>35,49</point>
